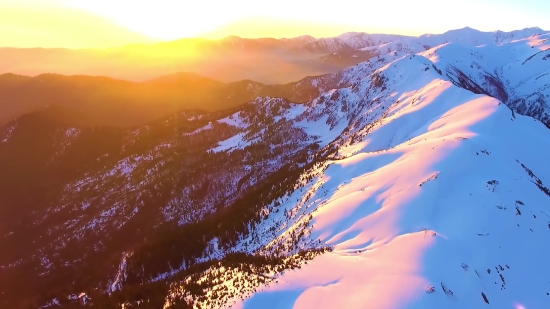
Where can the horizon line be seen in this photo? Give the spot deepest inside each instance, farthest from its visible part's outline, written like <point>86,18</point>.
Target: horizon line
<point>198,37</point>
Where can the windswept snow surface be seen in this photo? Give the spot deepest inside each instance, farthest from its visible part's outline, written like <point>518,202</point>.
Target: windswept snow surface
<point>443,204</point>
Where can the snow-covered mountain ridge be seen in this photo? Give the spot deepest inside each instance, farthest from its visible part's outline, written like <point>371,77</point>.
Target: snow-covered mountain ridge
<point>412,192</point>
<point>499,70</point>
<point>409,181</point>
<point>389,42</point>
<point>441,205</point>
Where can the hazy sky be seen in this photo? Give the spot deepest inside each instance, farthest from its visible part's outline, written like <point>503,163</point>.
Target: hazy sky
<point>103,23</point>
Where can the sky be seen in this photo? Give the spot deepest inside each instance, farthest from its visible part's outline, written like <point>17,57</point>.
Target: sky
<point>106,23</point>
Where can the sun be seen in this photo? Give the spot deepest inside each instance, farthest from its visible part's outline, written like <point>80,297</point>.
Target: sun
<point>170,20</point>
<point>163,19</point>
<point>175,19</point>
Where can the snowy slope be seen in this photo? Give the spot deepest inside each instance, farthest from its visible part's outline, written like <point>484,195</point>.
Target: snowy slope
<point>433,197</point>
<point>441,205</point>
<point>517,73</point>
<point>303,39</point>
<point>465,36</point>
<point>471,36</point>
<point>323,46</point>
<point>359,40</point>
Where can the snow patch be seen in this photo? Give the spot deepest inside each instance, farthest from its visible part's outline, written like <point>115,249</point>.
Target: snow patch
<point>232,143</point>
<point>234,120</point>
<point>8,132</point>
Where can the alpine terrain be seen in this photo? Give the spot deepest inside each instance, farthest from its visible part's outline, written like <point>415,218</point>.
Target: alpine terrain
<point>414,179</point>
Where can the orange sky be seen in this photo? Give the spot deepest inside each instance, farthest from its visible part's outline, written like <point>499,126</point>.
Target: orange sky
<point>33,23</point>
<point>105,23</point>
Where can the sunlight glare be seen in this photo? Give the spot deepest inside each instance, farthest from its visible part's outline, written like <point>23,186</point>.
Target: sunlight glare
<point>164,19</point>
<point>170,19</point>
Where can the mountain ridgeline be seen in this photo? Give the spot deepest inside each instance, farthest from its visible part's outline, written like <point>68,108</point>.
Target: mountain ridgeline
<point>103,101</point>
<point>229,59</point>
<point>418,175</point>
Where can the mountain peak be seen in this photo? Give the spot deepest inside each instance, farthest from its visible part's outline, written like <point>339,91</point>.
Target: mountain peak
<point>534,28</point>
<point>304,37</point>
<point>231,38</point>
<point>466,30</point>
<point>178,76</point>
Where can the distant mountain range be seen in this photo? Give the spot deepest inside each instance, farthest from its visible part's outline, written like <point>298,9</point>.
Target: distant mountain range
<point>267,60</point>
<point>107,101</point>
<point>229,59</point>
<point>104,101</point>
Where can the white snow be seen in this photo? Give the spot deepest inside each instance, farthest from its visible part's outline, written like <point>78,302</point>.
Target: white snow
<point>465,36</point>
<point>52,303</point>
<point>8,132</point>
<point>207,127</point>
<point>234,120</point>
<point>120,275</point>
<point>321,129</point>
<point>127,165</point>
<point>85,205</point>
<point>430,210</point>
<point>294,111</point>
<point>72,133</point>
<point>359,40</point>
<point>232,143</point>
